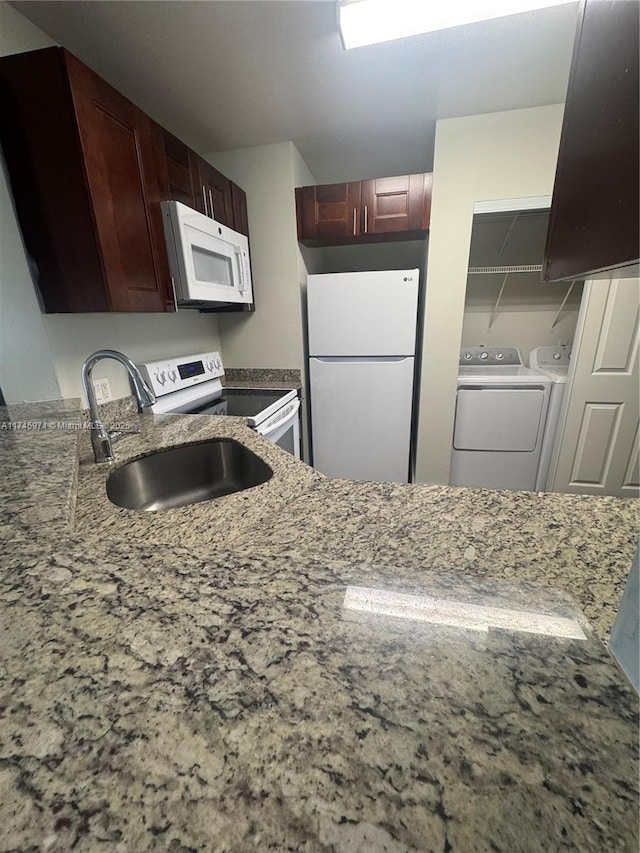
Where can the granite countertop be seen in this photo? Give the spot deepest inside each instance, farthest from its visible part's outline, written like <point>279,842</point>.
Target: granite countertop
<point>200,680</point>
<point>260,377</point>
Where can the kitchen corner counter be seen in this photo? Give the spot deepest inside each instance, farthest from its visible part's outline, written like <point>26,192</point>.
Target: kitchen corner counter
<point>199,679</point>
<point>260,377</point>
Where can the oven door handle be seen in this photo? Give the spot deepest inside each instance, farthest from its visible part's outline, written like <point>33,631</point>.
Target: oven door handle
<point>275,423</point>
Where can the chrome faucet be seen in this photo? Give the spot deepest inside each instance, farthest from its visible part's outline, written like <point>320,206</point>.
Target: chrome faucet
<point>100,435</point>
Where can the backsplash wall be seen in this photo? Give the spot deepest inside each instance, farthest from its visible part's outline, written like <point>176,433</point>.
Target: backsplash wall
<point>143,337</point>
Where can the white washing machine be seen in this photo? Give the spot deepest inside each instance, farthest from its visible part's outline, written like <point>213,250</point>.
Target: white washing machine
<point>501,412</point>
<point>553,362</point>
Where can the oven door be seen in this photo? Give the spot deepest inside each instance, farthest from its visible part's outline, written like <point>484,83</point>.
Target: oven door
<point>283,428</point>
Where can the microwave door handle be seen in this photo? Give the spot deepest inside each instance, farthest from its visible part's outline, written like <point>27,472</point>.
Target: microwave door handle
<point>242,287</point>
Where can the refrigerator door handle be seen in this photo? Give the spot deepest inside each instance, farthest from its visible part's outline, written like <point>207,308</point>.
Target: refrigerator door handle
<point>362,359</point>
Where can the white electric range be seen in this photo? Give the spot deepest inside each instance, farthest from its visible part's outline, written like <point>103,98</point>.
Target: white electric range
<point>193,385</point>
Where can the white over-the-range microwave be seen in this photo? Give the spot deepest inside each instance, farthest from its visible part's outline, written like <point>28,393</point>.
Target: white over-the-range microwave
<point>209,262</point>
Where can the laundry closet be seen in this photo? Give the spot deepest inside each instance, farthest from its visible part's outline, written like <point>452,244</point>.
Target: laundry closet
<point>506,417</point>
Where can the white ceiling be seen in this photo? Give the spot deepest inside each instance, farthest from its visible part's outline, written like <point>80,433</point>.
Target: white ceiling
<point>234,73</point>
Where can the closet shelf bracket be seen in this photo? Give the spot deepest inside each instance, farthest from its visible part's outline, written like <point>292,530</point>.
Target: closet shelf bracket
<point>497,305</point>
<point>564,302</point>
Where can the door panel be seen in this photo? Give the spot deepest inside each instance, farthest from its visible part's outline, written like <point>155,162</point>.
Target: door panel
<point>391,205</point>
<point>361,418</point>
<point>120,161</point>
<point>598,450</point>
<point>355,314</point>
<point>506,419</point>
<point>596,441</point>
<point>215,191</point>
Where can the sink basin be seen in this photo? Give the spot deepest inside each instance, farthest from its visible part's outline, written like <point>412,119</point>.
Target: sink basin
<point>186,475</point>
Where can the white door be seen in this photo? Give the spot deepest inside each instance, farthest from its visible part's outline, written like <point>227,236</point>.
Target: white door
<point>361,417</point>
<point>598,450</point>
<point>363,313</point>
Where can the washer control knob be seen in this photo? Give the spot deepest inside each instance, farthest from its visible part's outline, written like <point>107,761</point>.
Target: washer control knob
<point>484,356</point>
<point>499,356</point>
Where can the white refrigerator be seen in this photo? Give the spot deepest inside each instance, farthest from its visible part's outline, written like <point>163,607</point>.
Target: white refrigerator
<point>362,347</point>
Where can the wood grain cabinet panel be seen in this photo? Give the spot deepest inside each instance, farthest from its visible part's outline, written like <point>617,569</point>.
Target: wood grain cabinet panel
<point>181,178</point>
<point>190,179</point>
<point>393,205</point>
<point>214,194</point>
<point>240,213</point>
<point>594,225</point>
<point>82,163</point>
<point>396,208</point>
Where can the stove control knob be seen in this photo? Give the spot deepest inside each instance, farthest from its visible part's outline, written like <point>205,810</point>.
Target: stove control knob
<point>499,356</point>
<point>161,377</point>
<point>173,375</point>
<point>556,355</point>
<point>209,365</point>
<point>484,356</point>
<point>467,356</point>
<point>217,362</point>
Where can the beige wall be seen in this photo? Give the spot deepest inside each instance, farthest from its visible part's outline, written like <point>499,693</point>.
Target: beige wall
<point>477,158</point>
<point>143,337</point>
<point>26,361</point>
<point>272,336</point>
<point>41,355</point>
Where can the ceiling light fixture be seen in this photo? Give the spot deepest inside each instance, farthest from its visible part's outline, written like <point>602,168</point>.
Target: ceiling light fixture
<point>364,22</point>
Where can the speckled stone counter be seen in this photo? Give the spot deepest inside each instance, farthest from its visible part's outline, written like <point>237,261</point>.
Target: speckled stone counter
<point>159,701</point>
<point>193,680</point>
<point>261,377</point>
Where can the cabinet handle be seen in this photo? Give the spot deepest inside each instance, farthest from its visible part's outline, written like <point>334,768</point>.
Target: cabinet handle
<point>354,221</point>
<point>211,205</point>
<point>204,200</point>
<point>366,220</point>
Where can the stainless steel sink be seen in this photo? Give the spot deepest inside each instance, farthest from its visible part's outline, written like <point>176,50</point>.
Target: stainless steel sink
<point>186,475</point>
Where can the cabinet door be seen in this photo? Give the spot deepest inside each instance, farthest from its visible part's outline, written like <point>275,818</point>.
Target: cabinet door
<point>213,194</point>
<point>329,213</point>
<point>240,216</point>
<point>121,172</point>
<point>398,204</point>
<point>181,170</point>
<point>595,222</point>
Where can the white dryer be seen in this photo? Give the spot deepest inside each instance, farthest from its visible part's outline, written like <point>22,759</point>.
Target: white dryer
<point>501,412</point>
<point>553,362</point>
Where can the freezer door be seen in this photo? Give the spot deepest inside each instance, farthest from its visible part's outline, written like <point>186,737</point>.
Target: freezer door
<point>363,313</point>
<point>361,417</point>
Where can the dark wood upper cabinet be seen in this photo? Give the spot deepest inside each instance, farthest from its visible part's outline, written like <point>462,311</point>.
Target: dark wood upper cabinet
<point>190,179</point>
<point>82,163</point>
<point>181,176</point>
<point>240,213</point>
<point>376,210</point>
<point>328,214</point>
<point>594,224</point>
<point>213,194</point>
<point>396,205</point>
